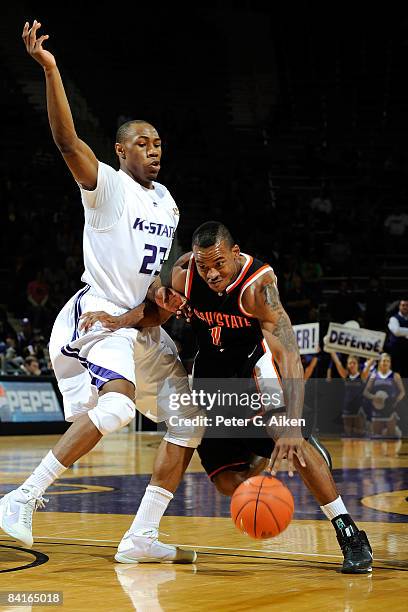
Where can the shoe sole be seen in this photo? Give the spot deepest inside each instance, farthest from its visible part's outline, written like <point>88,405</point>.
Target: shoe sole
<point>366,570</point>
<point>124,559</point>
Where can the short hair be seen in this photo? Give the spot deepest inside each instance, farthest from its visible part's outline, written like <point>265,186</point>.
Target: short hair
<point>209,233</point>
<point>125,129</point>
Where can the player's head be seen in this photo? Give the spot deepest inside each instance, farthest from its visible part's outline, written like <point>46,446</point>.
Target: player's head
<point>138,147</point>
<point>216,255</point>
<point>403,307</point>
<point>352,364</point>
<point>384,363</point>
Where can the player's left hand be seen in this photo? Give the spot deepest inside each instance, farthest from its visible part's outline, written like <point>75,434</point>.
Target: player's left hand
<point>287,446</point>
<point>173,301</point>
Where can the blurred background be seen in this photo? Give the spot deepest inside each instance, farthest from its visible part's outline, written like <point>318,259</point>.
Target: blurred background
<point>287,124</point>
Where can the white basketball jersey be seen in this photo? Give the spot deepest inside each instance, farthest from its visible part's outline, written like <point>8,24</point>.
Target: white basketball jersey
<point>127,236</point>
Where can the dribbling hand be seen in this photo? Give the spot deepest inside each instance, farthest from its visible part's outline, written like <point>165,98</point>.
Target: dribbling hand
<point>34,45</point>
<point>287,447</point>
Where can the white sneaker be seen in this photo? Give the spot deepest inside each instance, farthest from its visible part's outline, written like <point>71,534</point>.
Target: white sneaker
<point>143,546</point>
<point>16,513</point>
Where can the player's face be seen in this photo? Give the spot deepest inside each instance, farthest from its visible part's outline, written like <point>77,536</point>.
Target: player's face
<point>218,265</point>
<point>404,307</point>
<point>352,366</point>
<point>384,364</point>
<point>142,153</point>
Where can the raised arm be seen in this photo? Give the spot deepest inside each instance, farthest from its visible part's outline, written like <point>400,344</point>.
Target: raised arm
<point>340,368</point>
<point>261,300</point>
<point>310,368</point>
<point>79,158</point>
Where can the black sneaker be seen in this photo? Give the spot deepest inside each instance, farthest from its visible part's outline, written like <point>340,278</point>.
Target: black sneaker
<point>357,552</point>
<point>322,450</point>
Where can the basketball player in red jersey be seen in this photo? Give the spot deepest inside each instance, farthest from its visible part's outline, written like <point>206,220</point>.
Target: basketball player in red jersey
<point>242,328</point>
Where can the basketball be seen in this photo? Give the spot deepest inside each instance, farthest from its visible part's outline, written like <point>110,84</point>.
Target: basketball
<point>262,507</point>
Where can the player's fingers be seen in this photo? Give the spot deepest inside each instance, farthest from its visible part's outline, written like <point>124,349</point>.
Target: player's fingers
<point>41,40</point>
<point>33,31</point>
<point>25,29</point>
<point>291,466</point>
<point>276,458</point>
<point>300,456</point>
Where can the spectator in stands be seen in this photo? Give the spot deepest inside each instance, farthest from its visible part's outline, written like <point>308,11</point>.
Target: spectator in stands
<point>24,336</point>
<point>11,360</point>
<point>37,296</point>
<point>31,367</point>
<point>398,338</point>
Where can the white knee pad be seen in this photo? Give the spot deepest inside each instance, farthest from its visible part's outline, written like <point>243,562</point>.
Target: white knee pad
<point>113,411</point>
<point>186,429</point>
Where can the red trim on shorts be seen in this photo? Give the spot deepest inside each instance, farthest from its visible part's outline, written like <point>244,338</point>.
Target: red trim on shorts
<point>224,467</point>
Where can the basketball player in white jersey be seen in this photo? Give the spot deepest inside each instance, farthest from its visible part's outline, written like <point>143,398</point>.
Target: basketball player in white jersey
<point>129,224</point>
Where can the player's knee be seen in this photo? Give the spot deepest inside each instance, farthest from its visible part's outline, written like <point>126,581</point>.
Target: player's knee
<point>113,411</point>
<point>226,482</point>
<point>185,430</point>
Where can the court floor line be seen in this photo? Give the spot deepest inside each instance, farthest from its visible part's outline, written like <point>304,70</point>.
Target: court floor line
<point>114,544</point>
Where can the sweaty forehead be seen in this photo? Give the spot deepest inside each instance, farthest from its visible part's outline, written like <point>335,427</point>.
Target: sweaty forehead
<point>211,253</point>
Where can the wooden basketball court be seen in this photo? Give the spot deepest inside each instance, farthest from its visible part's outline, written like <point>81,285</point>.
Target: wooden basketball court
<point>89,509</point>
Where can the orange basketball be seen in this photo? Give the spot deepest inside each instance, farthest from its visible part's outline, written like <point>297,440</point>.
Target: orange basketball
<point>262,507</point>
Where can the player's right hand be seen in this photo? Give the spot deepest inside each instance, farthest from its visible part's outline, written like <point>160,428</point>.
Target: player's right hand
<point>111,322</point>
<point>34,45</point>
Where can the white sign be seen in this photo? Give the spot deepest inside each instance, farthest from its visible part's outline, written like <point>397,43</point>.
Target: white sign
<point>361,342</point>
<point>307,336</point>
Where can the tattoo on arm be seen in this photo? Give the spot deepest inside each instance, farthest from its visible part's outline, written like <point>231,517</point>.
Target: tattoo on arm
<point>283,329</point>
<point>284,332</point>
<point>272,296</point>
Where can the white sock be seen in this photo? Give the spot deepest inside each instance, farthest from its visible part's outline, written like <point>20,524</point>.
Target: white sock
<point>334,508</point>
<point>44,474</point>
<point>152,507</point>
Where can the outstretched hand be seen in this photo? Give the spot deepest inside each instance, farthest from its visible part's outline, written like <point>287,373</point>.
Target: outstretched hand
<point>173,301</point>
<point>34,45</point>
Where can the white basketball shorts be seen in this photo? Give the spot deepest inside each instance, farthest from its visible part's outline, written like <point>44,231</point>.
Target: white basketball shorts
<point>148,358</point>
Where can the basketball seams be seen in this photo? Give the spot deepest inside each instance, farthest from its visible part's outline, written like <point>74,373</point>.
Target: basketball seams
<point>273,516</point>
<point>256,503</point>
<point>250,501</point>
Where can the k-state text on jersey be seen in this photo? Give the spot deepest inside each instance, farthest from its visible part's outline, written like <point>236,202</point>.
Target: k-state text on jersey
<point>150,227</point>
